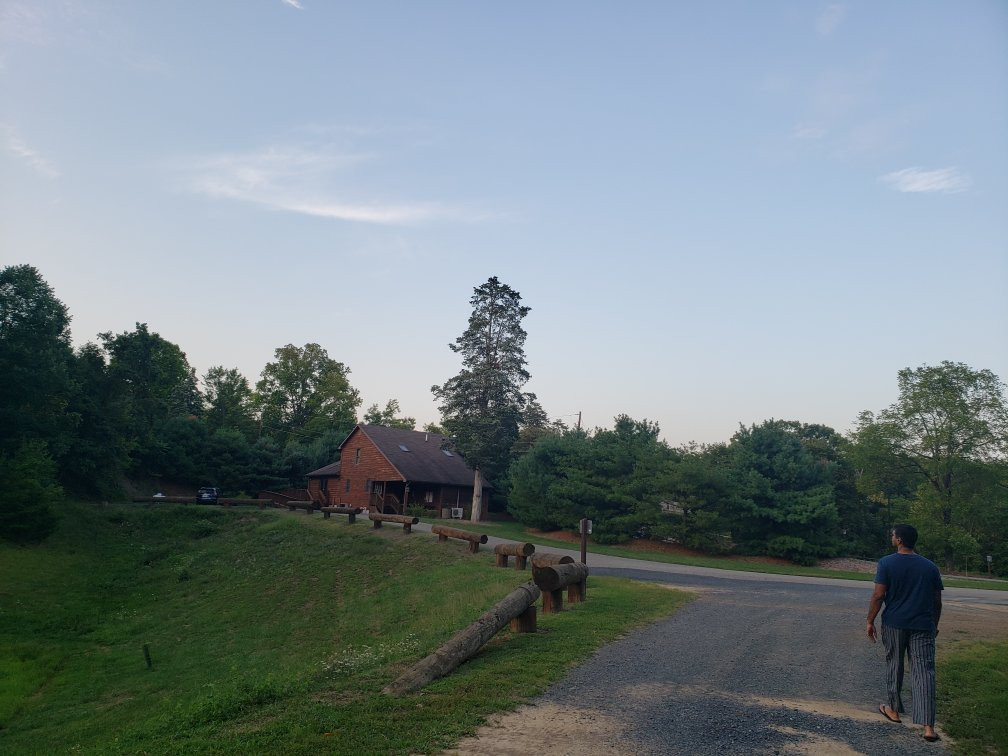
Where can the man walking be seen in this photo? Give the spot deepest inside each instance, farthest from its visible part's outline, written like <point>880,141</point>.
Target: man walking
<point>911,587</point>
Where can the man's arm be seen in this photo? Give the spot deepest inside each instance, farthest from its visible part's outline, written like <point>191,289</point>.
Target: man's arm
<point>874,606</point>
<point>936,611</point>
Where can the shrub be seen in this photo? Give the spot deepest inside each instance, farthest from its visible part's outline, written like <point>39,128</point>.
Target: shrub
<point>28,490</point>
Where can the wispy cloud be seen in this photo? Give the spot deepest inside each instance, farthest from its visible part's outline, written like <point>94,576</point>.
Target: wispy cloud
<point>830,18</point>
<point>943,180</point>
<point>293,4</point>
<point>305,181</point>
<point>808,131</point>
<point>17,146</point>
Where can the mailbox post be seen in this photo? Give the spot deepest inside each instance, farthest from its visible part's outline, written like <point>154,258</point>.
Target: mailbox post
<point>586,528</point>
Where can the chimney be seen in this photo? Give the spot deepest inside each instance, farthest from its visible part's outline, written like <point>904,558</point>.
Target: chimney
<point>425,437</point>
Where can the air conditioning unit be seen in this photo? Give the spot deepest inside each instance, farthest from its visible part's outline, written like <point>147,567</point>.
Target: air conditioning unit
<point>457,513</point>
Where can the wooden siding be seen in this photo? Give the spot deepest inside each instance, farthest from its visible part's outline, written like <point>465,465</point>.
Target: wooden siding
<point>358,467</point>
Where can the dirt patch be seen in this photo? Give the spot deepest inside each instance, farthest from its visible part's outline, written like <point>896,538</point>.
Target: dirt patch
<point>547,728</point>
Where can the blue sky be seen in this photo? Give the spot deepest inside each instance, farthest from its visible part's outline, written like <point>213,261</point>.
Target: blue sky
<point>718,212</point>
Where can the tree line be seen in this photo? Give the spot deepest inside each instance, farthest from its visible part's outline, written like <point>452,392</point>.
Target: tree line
<point>129,408</point>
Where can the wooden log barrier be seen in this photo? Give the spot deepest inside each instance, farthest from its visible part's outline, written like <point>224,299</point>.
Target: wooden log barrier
<point>475,539</point>
<point>236,502</point>
<point>465,643</point>
<point>307,506</point>
<point>520,551</point>
<point>407,521</point>
<point>334,509</point>
<point>547,559</point>
<point>553,579</point>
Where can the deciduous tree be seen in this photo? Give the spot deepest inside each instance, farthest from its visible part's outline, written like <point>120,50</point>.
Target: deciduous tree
<point>35,357</point>
<point>947,432</point>
<point>389,417</point>
<point>305,393</point>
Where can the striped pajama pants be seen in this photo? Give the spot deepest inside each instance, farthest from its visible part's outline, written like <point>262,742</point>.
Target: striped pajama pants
<point>918,646</point>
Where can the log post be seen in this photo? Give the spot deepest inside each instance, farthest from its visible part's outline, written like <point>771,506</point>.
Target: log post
<point>525,622</point>
<point>407,521</point>
<point>474,539</point>
<point>552,579</point>
<point>520,551</point>
<point>465,643</point>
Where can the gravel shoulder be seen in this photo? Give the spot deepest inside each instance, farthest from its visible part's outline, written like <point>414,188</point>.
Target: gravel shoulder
<point>759,663</point>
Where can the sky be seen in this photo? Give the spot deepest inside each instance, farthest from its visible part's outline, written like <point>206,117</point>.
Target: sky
<point>718,212</point>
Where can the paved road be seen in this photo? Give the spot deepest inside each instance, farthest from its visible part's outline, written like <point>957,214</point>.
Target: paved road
<point>759,663</point>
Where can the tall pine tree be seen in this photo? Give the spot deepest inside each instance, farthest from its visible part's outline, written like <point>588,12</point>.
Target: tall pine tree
<point>481,407</point>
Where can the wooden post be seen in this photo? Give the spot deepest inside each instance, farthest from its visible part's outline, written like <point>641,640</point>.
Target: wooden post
<point>552,579</point>
<point>520,551</point>
<point>552,602</point>
<point>465,643</point>
<point>525,622</point>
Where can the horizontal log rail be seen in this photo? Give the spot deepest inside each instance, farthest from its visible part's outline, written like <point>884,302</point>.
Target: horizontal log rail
<point>232,501</point>
<point>520,551</point>
<point>474,539</point>
<point>307,506</point>
<point>552,579</point>
<point>407,521</point>
<point>548,558</point>
<point>332,509</point>
<point>518,606</point>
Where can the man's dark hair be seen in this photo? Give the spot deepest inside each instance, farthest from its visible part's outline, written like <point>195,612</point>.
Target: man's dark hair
<point>907,534</point>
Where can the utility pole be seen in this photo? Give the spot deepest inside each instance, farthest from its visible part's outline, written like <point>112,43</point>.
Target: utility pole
<point>579,420</point>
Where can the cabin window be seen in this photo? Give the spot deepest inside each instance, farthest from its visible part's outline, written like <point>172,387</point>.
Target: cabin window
<point>429,497</point>
<point>324,484</point>
<point>347,485</point>
<point>367,486</point>
<point>356,456</point>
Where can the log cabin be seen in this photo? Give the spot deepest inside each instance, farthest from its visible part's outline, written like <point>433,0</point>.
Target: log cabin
<point>388,470</point>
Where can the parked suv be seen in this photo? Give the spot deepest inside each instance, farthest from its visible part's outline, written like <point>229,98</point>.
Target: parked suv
<point>207,495</point>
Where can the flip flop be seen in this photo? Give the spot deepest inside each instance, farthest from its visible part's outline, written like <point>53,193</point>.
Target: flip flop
<point>882,711</point>
<point>931,738</point>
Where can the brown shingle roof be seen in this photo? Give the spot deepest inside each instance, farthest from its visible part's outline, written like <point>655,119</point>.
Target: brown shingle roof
<point>328,471</point>
<point>423,461</point>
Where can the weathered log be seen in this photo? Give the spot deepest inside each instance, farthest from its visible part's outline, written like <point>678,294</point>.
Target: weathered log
<point>474,539</point>
<point>406,520</point>
<point>307,506</point>
<point>546,559</point>
<point>352,512</point>
<point>236,502</point>
<point>559,576</point>
<point>465,643</point>
<point>465,535</point>
<point>515,549</point>
<point>520,551</point>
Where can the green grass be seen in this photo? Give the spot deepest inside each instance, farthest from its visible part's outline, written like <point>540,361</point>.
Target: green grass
<point>268,631</point>
<point>973,697</point>
<point>515,531</point>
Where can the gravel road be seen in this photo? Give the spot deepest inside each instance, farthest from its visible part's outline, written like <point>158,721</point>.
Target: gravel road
<point>758,663</point>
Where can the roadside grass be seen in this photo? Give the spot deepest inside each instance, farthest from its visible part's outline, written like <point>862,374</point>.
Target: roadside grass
<point>267,633</point>
<point>973,697</point>
<point>515,531</point>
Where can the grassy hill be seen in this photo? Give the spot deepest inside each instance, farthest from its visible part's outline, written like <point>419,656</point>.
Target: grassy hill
<point>267,631</point>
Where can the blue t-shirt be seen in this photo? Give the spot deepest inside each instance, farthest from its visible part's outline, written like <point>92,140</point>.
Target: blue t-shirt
<point>911,582</point>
